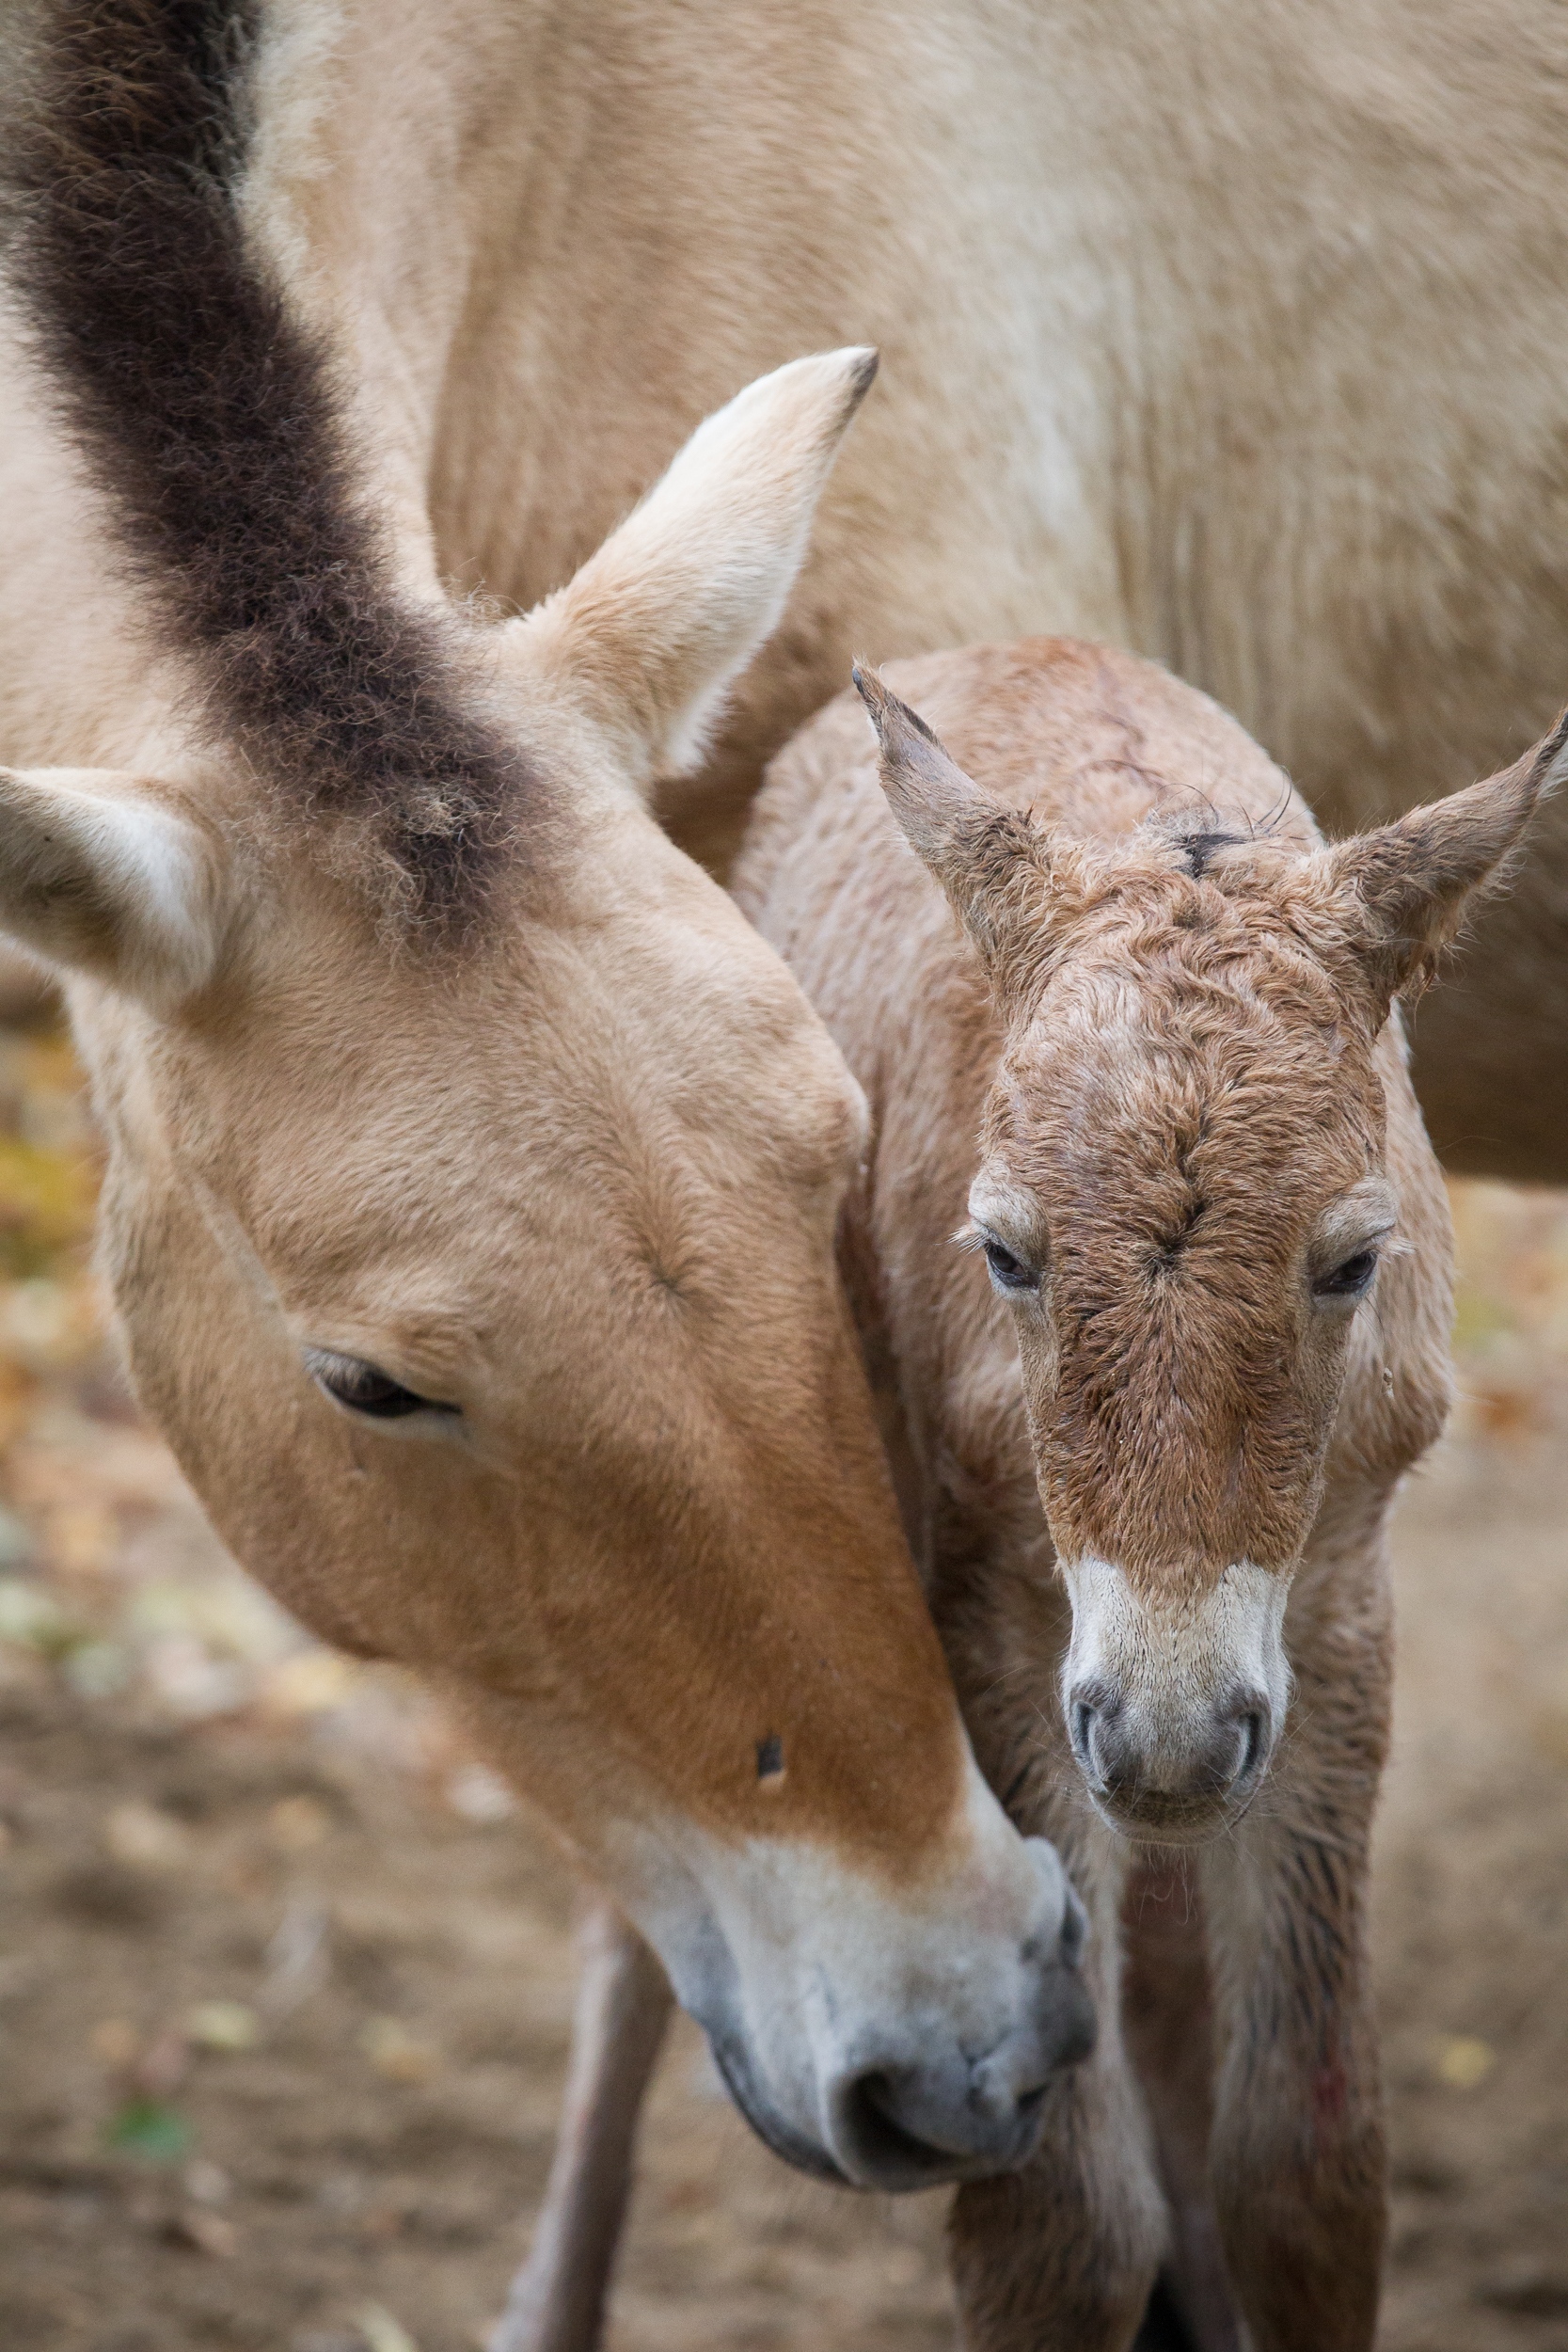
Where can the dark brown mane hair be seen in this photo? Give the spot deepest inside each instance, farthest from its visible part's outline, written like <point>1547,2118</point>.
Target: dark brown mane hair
<point>206,413</point>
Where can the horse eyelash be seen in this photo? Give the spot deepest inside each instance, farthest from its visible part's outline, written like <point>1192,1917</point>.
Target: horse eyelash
<point>969,1237</point>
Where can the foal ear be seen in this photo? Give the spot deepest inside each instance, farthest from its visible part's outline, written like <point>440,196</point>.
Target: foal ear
<point>1411,880</point>
<point>99,874</point>
<point>654,629</point>
<point>992,861</point>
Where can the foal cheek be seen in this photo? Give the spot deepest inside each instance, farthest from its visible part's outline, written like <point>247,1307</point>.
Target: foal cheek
<point>1040,1361</point>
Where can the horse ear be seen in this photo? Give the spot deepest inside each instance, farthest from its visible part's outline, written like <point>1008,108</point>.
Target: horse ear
<point>993,861</point>
<point>100,875</point>
<point>1410,881</point>
<point>651,633</point>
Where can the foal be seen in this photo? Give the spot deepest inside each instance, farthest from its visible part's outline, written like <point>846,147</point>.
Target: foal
<point>1199,1314</point>
<point>1147,1419</point>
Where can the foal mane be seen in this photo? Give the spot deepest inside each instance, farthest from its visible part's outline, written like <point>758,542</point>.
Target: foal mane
<point>206,411</point>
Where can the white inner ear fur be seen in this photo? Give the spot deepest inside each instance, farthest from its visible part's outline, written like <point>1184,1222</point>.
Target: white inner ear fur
<point>99,875</point>
<point>651,633</point>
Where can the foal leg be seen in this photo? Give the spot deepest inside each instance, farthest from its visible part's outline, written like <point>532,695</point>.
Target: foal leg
<point>558,2297</point>
<point>1062,2257</point>
<point>1168,2015</point>
<point>1297,2153</point>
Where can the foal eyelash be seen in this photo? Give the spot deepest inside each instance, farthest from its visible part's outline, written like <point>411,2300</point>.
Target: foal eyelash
<point>968,1237</point>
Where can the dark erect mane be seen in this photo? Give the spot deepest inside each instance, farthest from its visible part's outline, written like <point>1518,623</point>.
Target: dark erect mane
<point>1199,849</point>
<point>204,408</point>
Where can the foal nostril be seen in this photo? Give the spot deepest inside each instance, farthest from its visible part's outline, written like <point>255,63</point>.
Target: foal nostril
<point>1247,1726</point>
<point>1172,1770</point>
<point>1092,1714</point>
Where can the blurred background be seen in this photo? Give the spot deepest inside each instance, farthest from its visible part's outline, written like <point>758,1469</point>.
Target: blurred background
<point>285,1977</point>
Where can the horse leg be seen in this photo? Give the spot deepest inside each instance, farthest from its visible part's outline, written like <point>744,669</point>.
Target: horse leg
<point>558,2297</point>
<point>1063,2255</point>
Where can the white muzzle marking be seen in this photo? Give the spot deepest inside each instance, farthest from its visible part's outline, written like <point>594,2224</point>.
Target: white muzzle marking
<point>893,2040</point>
<point>1174,1705</point>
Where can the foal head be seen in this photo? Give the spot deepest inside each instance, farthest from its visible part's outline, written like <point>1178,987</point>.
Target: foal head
<point>1186,1199</point>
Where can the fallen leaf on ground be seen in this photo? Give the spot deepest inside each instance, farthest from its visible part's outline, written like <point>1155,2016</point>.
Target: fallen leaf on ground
<point>149,2130</point>
<point>296,1823</point>
<point>312,1683</point>
<point>397,2054</point>
<point>1462,2061</point>
<point>164,2064</point>
<point>382,2332</point>
<point>224,2026</point>
<point>203,2233</point>
<point>116,2040</point>
<point>145,1837</point>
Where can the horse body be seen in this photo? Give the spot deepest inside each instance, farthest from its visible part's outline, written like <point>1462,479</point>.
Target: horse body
<point>1231,338</point>
<point>1148,1465</point>
<point>473,1165</point>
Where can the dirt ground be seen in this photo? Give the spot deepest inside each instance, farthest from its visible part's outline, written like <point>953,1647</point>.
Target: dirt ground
<point>285,1977</point>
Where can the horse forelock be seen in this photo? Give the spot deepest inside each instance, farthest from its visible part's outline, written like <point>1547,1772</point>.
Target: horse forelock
<point>207,414</point>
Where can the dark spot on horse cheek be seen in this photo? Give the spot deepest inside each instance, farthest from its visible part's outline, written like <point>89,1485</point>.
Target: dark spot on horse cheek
<point>770,1763</point>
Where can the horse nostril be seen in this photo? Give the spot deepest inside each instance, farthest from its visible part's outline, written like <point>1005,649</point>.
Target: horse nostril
<point>883,2140</point>
<point>1075,1929</point>
<point>1252,1737</point>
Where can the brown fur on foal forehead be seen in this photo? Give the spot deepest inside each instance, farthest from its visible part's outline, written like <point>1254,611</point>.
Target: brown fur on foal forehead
<point>1170,1031</point>
<point>1183,1093</point>
<point>1178,907</point>
<point>1141,1113</point>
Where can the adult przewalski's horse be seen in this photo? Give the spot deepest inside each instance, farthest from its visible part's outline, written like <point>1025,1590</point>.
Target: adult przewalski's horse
<point>1213,1338</point>
<point>474,1167</point>
<point>1230,334</point>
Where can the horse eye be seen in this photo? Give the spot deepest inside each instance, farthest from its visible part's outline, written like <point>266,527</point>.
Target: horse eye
<point>365,1389</point>
<point>1010,1272</point>
<point>1348,1279</point>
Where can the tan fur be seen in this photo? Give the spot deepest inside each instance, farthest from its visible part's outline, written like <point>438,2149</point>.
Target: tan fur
<point>570,1174</point>
<point>1230,335</point>
<point>1177,1085</point>
<point>427,1179</point>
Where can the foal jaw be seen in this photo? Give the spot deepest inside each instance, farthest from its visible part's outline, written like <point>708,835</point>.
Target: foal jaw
<point>1175,1701</point>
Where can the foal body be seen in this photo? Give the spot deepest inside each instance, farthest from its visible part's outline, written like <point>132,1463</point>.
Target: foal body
<point>1092,744</point>
<point>1213,1339</point>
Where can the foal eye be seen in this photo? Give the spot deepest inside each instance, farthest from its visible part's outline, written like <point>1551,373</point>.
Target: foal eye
<point>1010,1272</point>
<point>365,1389</point>
<point>1348,1279</point>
